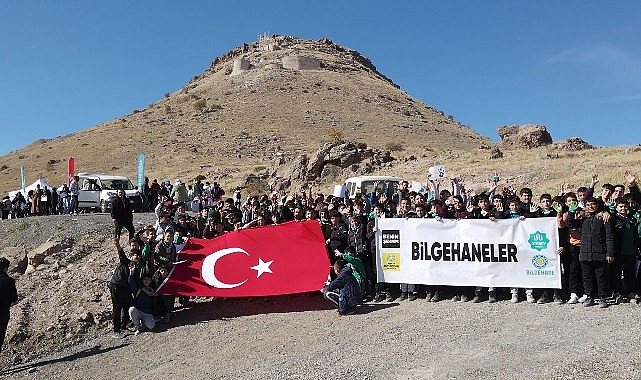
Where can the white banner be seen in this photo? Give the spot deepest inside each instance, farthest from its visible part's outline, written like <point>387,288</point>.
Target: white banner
<point>504,253</point>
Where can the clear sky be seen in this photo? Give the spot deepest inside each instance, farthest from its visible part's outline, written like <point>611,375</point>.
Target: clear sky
<point>574,66</point>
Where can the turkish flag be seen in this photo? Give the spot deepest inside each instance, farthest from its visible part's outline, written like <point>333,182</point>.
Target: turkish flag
<point>264,261</point>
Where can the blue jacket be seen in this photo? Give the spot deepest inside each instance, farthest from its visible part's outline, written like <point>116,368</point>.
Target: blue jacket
<point>142,301</point>
<point>348,288</point>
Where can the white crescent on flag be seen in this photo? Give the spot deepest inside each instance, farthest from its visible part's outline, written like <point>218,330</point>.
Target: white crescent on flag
<point>210,263</point>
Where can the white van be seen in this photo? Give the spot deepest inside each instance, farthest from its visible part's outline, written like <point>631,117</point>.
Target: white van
<point>365,184</point>
<point>98,190</point>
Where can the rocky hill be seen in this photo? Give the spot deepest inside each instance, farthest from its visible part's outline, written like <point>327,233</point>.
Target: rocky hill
<point>277,97</point>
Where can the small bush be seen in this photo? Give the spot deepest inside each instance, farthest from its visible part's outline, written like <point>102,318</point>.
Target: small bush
<point>394,146</point>
<point>167,108</point>
<point>335,134</point>
<point>199,104</point>
<point>200,177</point>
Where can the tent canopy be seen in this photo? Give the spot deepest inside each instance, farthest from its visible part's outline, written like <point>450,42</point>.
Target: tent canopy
<point>39,181</point>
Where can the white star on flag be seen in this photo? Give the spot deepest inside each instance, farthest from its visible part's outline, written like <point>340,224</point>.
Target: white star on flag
<point>262,267</point>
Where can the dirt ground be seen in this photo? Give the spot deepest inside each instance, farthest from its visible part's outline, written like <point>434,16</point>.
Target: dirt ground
<point>301,337</point>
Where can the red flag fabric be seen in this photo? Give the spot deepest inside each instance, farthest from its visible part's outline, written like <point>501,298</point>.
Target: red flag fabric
<point>272,260</point>
<point>71,168</point>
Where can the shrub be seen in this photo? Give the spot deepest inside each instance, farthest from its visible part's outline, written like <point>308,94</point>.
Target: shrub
<point>335,134</point>
<point>394,146</point>
<point>199,104</point>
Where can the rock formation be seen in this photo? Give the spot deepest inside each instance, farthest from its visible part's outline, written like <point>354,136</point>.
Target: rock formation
<point>524,136</point>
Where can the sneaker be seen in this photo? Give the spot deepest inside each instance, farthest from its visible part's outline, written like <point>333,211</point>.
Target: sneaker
<point>403,297</point>
<point>530,298</point>
<point>617,299</point>
<point>428,296</point>
<point>136,332</point>
<point>574,298</point>
<point>631,297</point>
<point>588,301</point>
<point>350,311</point>
<point>603,303</point>
<point>456,298</point>
<point>390,298</point>
<point>558,299</point>
<point>465,298</point>
<point>380,297</point>
<point>545,298</point>
<point>477,297</point>
<point>436,297</point>
<point>413,297</point>
<point>583,298</point>
<point>515,298</point>
<point>492,297</point>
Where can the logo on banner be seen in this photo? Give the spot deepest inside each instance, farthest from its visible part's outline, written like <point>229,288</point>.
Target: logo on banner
<point>540,261</point>
<point>391,239</point>
<point>391,261</point>
<point>538,241</point>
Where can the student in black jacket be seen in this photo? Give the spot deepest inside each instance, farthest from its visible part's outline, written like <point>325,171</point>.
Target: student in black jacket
<point>122,216</point>
<point>597,250</point>
<point>119,286</point>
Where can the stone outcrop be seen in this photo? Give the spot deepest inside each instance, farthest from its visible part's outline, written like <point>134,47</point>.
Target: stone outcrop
<point>495,153</point>
<point>38,255</point>
<point>524,136</point>
<point>573,144</point>
<point>332,161</point>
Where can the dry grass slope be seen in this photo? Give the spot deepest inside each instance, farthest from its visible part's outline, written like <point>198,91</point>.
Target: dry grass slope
<point>224,126</point>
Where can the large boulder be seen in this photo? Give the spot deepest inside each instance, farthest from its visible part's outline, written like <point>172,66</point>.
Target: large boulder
<point>50,247</point>
<point>524,136</point>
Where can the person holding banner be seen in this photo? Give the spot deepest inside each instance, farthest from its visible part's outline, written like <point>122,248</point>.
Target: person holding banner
<point>515,211</point>
<point>483,211</point>
<point>141,313</point>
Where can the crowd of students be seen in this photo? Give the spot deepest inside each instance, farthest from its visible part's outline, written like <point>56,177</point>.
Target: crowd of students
<point>599,234</point>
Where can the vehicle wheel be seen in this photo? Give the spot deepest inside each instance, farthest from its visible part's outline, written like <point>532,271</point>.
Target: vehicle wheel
<point>103,207</point>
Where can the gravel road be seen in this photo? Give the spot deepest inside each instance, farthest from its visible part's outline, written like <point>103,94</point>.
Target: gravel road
<point>299,337</point>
